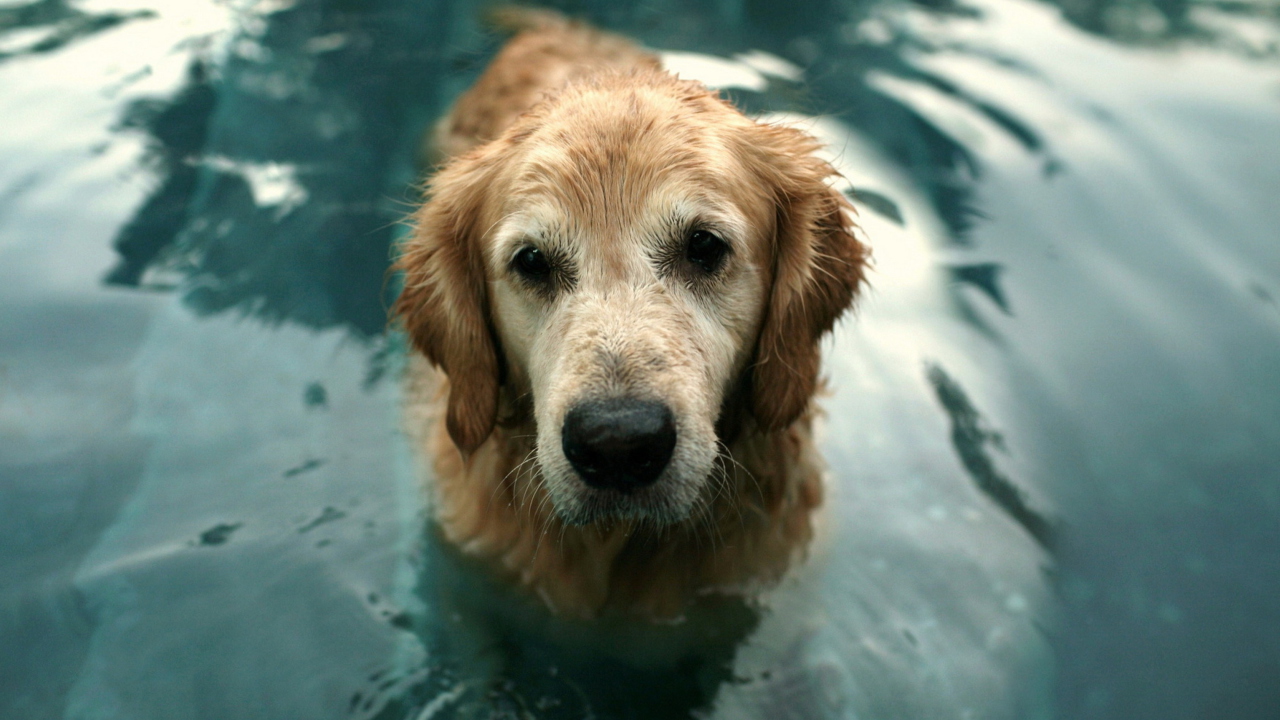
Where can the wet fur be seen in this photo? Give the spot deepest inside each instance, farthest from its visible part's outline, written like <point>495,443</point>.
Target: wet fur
<point>590,123</point>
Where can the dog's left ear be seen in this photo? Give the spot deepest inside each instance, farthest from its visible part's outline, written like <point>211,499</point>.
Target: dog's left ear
<point>818,267</point>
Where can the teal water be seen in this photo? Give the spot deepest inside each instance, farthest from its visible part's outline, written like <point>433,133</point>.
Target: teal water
<point>1054,431</point>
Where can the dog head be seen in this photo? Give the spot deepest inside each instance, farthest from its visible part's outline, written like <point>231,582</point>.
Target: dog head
<point>639,264</point>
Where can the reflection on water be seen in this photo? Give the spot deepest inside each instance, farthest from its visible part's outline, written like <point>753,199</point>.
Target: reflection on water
<point>1052,431</point>
<point>973,443</point>
<point>45,26</point>
<point>484,660</point>
<point>283,144</point>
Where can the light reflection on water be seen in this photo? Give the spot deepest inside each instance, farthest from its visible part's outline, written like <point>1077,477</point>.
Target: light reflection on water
<point>1054,429</point>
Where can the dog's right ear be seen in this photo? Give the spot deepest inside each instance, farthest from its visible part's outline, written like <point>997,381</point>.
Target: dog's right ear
<point>445,303</point>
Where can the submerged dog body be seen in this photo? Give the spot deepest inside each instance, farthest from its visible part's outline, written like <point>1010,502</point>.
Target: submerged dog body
<point>624,281</point>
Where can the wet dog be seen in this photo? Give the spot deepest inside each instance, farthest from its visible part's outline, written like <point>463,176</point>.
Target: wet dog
<point>622,282</point>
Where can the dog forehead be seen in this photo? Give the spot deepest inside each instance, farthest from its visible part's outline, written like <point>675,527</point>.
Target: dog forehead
<point>617,163</point>
<point>602,155</point>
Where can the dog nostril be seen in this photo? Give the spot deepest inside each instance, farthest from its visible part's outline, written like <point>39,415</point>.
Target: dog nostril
<point>619,444</point>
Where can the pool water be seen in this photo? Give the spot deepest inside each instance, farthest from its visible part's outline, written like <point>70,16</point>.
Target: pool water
<point>1053,429</point>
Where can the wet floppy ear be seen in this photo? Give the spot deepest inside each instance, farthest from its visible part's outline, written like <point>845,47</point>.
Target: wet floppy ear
<point>444,304</point>
<point>818,268</point>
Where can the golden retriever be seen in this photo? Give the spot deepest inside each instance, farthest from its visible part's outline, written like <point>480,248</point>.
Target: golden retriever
<point>624,281</point>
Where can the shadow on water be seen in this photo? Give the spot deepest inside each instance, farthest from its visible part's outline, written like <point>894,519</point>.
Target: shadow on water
<point>506,657</point>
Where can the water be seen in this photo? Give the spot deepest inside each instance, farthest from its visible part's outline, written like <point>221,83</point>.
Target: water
<point>1054,428</point>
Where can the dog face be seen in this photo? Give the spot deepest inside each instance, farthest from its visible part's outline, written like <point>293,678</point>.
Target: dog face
<point>638,264</point>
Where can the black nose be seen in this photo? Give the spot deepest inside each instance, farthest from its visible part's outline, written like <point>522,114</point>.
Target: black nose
<point>619,444</point>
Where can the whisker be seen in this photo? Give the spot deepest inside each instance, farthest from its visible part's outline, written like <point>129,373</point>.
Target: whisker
<point>723,495</point>
<point>727,454</point>
<point>545,523</point>
<point>508,477</point>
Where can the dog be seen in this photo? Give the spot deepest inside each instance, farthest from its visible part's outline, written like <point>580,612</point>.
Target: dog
<point>616,289</point>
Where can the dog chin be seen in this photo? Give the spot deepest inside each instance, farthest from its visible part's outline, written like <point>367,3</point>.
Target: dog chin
<point>656,505</point>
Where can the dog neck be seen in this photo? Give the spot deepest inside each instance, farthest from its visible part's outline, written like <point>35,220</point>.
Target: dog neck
<point>756,519</point>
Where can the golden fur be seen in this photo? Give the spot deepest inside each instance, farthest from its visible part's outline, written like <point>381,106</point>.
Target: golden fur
<point>574,140</point>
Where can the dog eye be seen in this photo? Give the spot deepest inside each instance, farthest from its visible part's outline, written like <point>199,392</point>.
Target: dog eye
<point>706,250</point>
<point>532,263</point>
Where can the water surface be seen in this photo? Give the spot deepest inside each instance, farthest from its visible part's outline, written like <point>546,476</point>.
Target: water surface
<point>1054,428</point>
